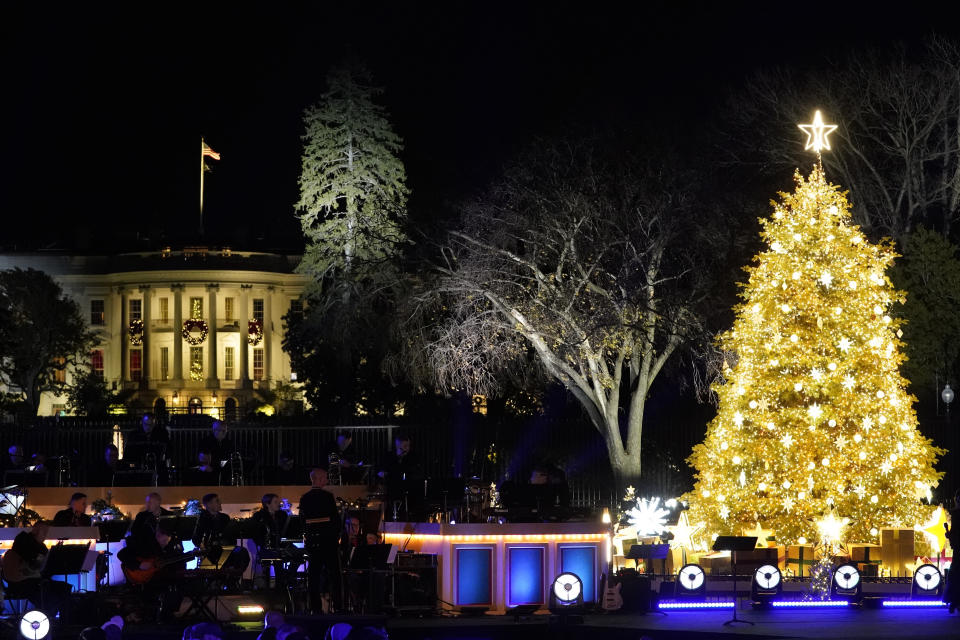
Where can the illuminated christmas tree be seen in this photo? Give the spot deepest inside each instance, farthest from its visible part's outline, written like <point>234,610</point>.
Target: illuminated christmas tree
<point>814,418</point>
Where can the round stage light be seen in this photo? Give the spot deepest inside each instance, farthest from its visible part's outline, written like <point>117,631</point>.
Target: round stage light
<point>34,625</point>
<point>691,577</point>
<point>567,588</point>
<point>846,577</point>
<point>767,577</point>
<point>927,578</point>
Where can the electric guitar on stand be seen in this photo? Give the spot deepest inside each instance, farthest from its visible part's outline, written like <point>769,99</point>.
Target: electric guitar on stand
<point>612,600</point>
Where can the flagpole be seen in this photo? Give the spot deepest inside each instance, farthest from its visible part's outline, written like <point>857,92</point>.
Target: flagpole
<point>201,186</point>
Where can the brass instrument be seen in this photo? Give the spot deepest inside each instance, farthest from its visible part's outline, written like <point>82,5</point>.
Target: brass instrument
<point>333,468</point>
<point>236,469</point>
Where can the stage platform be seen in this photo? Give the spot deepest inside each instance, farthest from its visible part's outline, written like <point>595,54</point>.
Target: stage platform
<point>876,624</point>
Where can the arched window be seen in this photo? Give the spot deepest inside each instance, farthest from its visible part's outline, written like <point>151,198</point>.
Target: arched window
<point>195,406</point>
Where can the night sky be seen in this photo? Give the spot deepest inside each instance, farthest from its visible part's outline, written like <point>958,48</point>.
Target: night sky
<point>103,109</point>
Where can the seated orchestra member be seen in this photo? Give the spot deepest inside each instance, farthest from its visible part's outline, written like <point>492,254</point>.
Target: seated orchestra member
<point>351,538</point>
<point>219,446</point>
<point>23,567</point>
<point>204,473</point>
<point>75,513</point>
<point>147,447</point>
<point>209,531</point>
<point>321,519</point>
<point>101,474</point>
<point>403,475</point>
<point>272,520</point>
<point>16,460</point>
<point>287,472</point>
<point>146,544</point>
<point>340,451</point>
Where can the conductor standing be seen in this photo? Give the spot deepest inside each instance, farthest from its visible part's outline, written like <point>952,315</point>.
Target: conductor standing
<point>321,520</point>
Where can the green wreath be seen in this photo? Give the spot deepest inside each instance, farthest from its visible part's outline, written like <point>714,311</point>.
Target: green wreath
<point>195,331</point>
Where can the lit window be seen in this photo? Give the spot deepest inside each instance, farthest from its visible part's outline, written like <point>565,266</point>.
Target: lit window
<point>136,364</point>
<point>164,363</point>
<point>196,308</point>
<point>96,362</point>
<point>165,309</point>
<point>228,363</point>
<point>228,309</point>
<point>258,364</point>
<point>296,308</point>
<point>196,363</point>
<point>136,309</point>
<point>60,370</point>
<point>97,316</point>
<point>258,310</point>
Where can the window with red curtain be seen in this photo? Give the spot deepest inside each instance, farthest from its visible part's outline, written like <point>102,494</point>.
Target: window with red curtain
<point>136,366</point>
<point>96,362</point>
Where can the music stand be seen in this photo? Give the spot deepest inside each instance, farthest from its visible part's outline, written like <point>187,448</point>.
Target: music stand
<point>734,544</point>
<point>649,552</point>
<point>112,531</point>
<point>66,560</point>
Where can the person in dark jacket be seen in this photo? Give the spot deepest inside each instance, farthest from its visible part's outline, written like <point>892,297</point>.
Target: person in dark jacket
<point>403,475</point>
<point>321,520</point>
<point>75,513</point>
<point>272,520</point>
<point>23,569</point>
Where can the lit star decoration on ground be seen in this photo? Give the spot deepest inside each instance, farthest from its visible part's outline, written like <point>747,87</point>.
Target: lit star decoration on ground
<point>934,530</point>
<point>683,533</point>
<point>817,133</point>
<point>648,517</point>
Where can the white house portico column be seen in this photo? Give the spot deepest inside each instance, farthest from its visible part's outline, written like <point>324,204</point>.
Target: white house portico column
<point>213,378</point>
<point>146,291</point>
<point>244,377</point>
<point>177,290</point>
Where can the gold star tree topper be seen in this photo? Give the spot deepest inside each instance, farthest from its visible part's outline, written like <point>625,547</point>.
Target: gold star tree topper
<point>817,133</point>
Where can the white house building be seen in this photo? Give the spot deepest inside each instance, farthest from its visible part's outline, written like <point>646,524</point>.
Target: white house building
<point>196,330</point>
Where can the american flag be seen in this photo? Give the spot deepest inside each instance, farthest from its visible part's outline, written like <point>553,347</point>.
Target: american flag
<point>207,151</point>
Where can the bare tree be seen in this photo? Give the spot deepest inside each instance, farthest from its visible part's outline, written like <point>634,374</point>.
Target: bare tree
<point>897,146</point>
<point>589,269</point>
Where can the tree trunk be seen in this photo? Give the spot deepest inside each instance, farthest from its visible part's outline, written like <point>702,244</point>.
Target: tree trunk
<point>624,464</point>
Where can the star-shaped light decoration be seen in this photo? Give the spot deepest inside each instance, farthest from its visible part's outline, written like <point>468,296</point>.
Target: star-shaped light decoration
<point>840,442</point>
<point>724,512</point>
<point>648,517</point>
<point>760,534</point>
<point>848,382</point>
<point>831,528</point>
<point>817,374</point>
<point>934,529</point>
<point>844,345</point>
<point>817,133</point>
<point>886,467</point>
<point>683,533</point>
<point>826,279</point>
<point>788,504</point>
<point>860,490</point>
<point>787,441</point>
<point>815,411</point>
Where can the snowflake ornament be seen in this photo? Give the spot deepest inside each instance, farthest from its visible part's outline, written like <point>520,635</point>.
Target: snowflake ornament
<point>648,517</point>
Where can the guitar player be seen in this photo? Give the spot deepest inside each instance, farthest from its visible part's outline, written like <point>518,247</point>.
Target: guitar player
<point>146,545</point>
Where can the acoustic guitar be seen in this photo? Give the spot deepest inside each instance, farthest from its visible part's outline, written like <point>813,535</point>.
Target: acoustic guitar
<point>135,575</point>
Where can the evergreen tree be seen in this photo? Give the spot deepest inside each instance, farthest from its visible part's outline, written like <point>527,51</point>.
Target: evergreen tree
<point>353,190</point>
<point>814,418</point>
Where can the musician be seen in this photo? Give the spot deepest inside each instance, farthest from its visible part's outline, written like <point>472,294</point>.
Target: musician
<point>318,508</point>
<point>149,439</point>
<point>204,473</point>
<point>101,475</point>
<point>287,472</point>
<point>212,522</point>
<point>272,520</point>
<point>351,538</point>
<point>142,540</point>
<point>23,567</point>
<point>403,476</point>
<point>16,460</point>
<point>219,445</point>
<point>75,513</point>
<point>341,449</point>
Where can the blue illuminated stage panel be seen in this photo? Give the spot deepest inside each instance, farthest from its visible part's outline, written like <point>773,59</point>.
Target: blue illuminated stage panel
<point>474,577</point>
<point>525,578</point>
<point>582,561</point>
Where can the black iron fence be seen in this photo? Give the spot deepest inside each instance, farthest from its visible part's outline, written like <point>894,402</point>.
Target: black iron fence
<point>458,448</point>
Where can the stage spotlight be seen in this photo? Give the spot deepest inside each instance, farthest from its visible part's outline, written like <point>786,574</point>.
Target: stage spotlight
<point>767,584</point>
<point>691,581</point>
<point>567,591</point>
<point>846,583</point>
<point>34,625</point>
<point>250,609</point>
<point>927,582</point>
